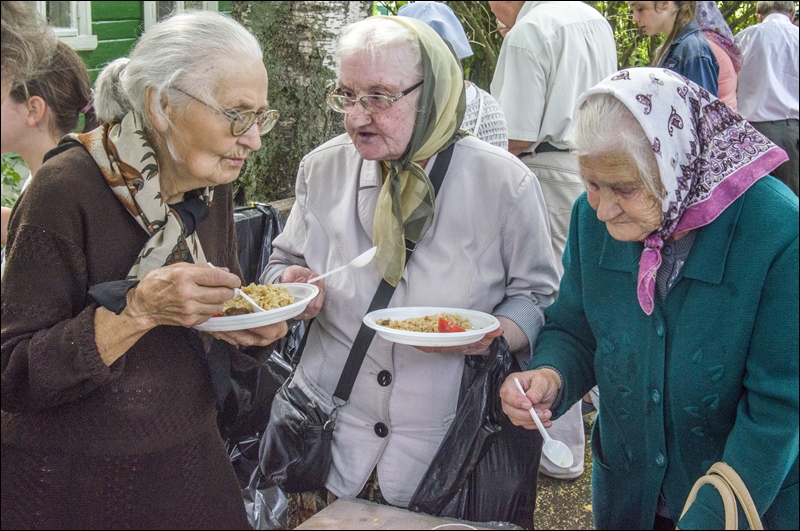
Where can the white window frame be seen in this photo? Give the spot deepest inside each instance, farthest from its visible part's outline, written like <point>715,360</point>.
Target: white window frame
<point>79,34</point>
<point>151,11</point>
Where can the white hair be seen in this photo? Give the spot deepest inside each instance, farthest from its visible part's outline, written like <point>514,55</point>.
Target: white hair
<point>605,125</point>
<point>179,51</point>
<point>383,40</point>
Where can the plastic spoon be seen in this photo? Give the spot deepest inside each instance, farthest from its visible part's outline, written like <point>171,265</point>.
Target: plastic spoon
<point>359,261</point>
<point>237,291</point>
<point>556,451</point>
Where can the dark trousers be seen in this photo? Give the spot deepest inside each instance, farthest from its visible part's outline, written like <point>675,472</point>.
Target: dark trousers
<point>786,134</point>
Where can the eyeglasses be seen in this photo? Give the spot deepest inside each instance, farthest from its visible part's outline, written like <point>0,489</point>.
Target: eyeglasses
<point>241,122</point>
<point>372,103</point>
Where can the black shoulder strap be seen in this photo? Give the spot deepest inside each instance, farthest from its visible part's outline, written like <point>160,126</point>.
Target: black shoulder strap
<point>382,297</point>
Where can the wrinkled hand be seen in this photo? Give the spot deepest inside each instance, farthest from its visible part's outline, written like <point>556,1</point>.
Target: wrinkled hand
<point>541,388</point>
<point>254,337</point>
<point>479,348</point>
<point>181,295</point>
<point>301,274</point>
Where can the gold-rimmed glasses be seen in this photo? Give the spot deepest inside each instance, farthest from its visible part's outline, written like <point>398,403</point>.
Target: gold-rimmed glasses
<point>343,103</point>
<point>242,121</point>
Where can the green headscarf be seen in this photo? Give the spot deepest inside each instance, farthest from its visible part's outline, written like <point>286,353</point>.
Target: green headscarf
<point>406,201</point>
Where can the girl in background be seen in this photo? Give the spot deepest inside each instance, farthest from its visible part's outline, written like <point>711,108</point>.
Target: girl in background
<point>685,50</point>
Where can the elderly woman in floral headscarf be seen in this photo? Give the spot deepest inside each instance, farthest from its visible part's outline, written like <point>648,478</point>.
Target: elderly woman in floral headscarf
<point>481,244</point>
<point>680,301</point>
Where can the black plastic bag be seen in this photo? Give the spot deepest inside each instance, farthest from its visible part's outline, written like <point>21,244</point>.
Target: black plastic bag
<point>245,412</point>
<point>256,227</point>
<point>266,504</point>
<point>486,469</point>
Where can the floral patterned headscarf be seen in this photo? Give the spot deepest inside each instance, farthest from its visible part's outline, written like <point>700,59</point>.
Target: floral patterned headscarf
<point>716,29</point>
<point>707,155</point>
<point>129,166</point>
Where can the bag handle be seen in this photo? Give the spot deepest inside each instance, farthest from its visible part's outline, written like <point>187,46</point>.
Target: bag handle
<point>382,297</point>
<point>730,487</point>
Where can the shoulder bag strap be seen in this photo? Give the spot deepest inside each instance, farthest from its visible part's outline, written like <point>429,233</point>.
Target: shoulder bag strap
<point>381,299</point>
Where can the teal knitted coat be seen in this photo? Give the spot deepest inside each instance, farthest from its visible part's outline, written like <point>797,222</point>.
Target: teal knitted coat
<point>711,375</point>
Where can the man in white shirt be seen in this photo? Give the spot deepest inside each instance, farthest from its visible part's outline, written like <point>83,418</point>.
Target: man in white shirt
<point>769,82</point>
<point>551,54</point>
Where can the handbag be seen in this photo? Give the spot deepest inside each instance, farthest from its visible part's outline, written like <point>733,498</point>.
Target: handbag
<point>295,451</point>
<point>485,469</point>
<point>731,488</point>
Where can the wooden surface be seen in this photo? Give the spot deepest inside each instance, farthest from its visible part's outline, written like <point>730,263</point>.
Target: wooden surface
<point>360,514</point>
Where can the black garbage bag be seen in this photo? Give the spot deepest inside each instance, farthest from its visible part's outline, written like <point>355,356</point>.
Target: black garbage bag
<point>245,412</point>
<point>486,468</point>
<point>256,226</point>
<point>266,504</point>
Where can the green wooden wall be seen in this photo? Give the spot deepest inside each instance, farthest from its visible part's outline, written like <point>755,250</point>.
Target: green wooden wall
<point>117,26</point>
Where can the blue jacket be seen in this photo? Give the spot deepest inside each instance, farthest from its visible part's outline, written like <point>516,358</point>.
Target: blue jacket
<point>711,375</point>
<point>691,56</point>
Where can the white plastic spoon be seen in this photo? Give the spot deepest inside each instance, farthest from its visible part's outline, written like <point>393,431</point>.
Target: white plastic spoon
<point>556,451</point>
<point>359,261</point>
<point>237,291</point>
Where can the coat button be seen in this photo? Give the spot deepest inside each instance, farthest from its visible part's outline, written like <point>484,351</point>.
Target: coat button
<point>667,250</point>
<point>660,330</point>
<point>656,396</point>
<point>381,430</point>
<point>661,460</point>
<point>384,378</point>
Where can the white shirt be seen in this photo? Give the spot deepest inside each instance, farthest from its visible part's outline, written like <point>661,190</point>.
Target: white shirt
<point>769,82</point>
<point>554,52</point>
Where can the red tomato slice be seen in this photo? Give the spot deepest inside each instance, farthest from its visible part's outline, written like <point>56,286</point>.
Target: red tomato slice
<point>447,326</point>
<point>217,315</point>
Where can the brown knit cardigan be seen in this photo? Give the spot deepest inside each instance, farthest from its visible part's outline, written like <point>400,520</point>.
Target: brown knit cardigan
<point>87,446</point>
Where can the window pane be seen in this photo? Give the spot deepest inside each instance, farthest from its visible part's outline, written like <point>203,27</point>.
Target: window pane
<point>58,14</point>
<point>193,4</point>
<point>165,8</point>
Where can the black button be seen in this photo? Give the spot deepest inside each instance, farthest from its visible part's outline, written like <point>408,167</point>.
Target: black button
<point>667,250</point>
<point>381,430</point>
<point>384,378</point>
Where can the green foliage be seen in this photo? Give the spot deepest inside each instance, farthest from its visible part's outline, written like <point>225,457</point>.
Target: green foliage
<point>11,178</point>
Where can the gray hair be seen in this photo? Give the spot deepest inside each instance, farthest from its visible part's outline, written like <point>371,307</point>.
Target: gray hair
<point>765,8</point>
<point>178,51</point>
<point>27,41</point>
<point>603,125</point>
<point>382,40</point>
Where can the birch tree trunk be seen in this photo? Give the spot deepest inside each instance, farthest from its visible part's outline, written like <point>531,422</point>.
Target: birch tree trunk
<point>298,39</point>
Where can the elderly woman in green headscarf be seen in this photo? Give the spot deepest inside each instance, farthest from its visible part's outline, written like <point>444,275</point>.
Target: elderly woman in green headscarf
<point>481,243</point>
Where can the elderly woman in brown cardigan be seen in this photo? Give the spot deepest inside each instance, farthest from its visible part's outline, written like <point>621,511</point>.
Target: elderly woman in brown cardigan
<point>108,407</point>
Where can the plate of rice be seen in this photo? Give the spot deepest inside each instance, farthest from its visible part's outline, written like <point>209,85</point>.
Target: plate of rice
<point>419,326</point>
<point>282,302</point>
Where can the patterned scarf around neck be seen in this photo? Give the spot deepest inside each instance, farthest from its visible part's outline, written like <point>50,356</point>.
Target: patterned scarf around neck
<point>707,155</point>
<point>129,166</point>
<point>406,201</point>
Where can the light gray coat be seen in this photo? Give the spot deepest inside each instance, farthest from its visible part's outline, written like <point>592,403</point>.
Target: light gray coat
<point>488,249</point>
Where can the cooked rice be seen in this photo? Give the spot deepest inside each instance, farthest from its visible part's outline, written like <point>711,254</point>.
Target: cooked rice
<point>268,296</point>
<point>428,323</point>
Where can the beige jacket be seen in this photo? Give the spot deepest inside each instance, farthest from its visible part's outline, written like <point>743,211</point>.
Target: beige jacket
<point>488,249</point>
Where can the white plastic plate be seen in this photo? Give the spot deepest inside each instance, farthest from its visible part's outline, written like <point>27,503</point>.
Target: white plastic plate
<point>482,324</point>
<point>302,293</point>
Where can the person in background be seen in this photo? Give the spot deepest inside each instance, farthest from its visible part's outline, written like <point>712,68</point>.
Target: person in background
<point>43,109</point>
<point>27,42</point>
<point>680,301</point>
<point>109,415</point>
<point>796,18</point>
<point>684,50</point>
<point>483,118</point>
<point>769,82</point>
<point>720,38</point>
<point>552,52</point>
<point>371,187</point>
